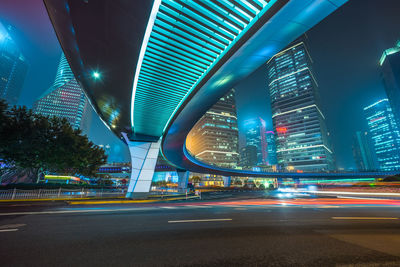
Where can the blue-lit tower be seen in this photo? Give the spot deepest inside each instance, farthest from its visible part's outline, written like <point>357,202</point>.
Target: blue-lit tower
<point>65,99</point>
<point>362,152</point>
<point>385,134</point>
<point>215,137</point>
<point>390,71</point>
<point>13,66</point>
<point>256,136</point>
<point>271,148</point>
<point>301,135</point>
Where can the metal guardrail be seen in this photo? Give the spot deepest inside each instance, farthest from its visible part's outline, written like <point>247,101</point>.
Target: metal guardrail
<point>60,193</point>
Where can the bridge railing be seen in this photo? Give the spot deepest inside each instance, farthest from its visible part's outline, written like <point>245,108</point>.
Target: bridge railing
<point>14,194</point>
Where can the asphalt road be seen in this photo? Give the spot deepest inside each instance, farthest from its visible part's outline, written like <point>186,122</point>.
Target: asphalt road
<point>256,232</point>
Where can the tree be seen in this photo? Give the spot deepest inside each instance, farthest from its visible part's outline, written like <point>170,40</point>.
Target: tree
<point>33,142</point>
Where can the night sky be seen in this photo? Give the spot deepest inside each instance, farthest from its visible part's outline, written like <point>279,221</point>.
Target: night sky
<point>345,48</point>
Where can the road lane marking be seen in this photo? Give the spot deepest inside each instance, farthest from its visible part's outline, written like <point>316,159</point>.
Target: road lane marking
<point>201,220</point>
<point>364,218</point>
<point>8,230</point>
<point>8,226</point>
<point>169,208</point>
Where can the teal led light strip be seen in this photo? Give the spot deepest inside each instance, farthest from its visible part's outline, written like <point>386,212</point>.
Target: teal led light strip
<point>146,38</point>
<point>187,40</point>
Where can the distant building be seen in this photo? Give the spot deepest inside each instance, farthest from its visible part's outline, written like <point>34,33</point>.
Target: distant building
<point>390,71</point>
<point>13,66</point>
<point>271,148</point>
<point>248,157</point>
<point>301,136</point>
<point>256,136</point>
<point>385,134</point>
<point>214,138</point>
<point>65,99</point>
<point>362,152</point>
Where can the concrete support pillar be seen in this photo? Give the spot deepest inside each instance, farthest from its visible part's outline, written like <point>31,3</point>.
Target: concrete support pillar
<point>183,180</point>
<point>143,158</point>
<point>227,181</point>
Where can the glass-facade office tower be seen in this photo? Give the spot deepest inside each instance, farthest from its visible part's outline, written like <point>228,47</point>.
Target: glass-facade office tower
<point>390,71</point>
<point>271,148</point>
<point>301,135</point>
<point>214,138</point>
<point>13,66</point>
<point>256,136</point>
<point>362,152</point>
<point>385,134</point>
<point>65,99</point>
<point>248,157</point>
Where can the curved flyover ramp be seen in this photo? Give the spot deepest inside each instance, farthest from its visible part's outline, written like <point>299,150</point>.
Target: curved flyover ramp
<point>164,63</point>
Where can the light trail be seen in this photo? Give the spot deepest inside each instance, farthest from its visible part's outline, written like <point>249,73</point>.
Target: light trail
<point>364,218</point>
<point>202,220</point>
<point>8,230</point>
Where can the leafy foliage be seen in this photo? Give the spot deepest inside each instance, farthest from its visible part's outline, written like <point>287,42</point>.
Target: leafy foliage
<point>34,142</point>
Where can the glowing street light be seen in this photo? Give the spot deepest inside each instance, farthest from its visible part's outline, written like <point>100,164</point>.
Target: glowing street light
<point>96,75</point>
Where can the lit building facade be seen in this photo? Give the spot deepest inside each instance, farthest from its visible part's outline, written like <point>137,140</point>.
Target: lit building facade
<point>362,152</point>
<point>271,148</point>
<point>65,99</point>
<point>256,136</point>
<point>13,66</point>
<point>301,135</point>
<point>248,157</point>
<point>390,71</point>
<point>385,134</point>
<point>214,138</point>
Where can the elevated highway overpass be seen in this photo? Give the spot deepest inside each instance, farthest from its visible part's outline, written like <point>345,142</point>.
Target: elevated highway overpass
<point>151,69</point>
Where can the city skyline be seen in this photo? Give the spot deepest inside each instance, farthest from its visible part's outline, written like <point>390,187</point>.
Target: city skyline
<point>200,132</point>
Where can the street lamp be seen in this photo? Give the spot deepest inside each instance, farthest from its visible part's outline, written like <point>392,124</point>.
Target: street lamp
<point>96,75</point>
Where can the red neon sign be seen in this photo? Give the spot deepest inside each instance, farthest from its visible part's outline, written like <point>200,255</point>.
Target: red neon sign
<point>281,129</point>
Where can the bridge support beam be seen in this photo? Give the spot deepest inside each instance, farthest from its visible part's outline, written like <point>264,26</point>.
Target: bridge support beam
<point>183,180</point>
<point>143,158</point>
<point>227,181</point>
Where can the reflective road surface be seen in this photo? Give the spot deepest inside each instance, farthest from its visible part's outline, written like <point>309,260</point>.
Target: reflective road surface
<point>229,232</point>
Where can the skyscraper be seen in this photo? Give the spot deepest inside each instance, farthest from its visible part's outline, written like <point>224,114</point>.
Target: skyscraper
<point>65,99</point>
<point>13,66</point>
<point>362,152</point>
<point>248,157</point>
<point>390,71</point>
<point>384,133</point>
<point>271,148</point>
<point>256,136</point>
<point>302,138</point>
<point>214,138</point>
